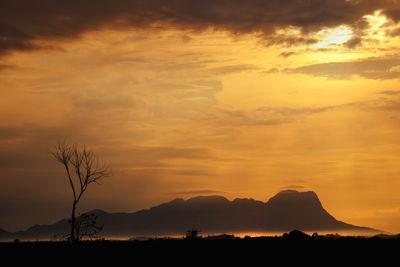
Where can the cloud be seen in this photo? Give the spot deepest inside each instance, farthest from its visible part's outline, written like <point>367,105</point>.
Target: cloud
<point>101,103</point>
<point>271,70</point>
<point>295,187</point>
<point>232,69</point>
<point>268,116</point>
<point>273,116</point>
<point>21,160</point>
<point>393,106</point>
<point>163,159</point>
<point>369,68</point>
<point>197,192</point>
<point>285,111</point>
<point>27,146</point>
<point>226,117</point>
<point>24,22</point>
<point>353,42</point>
<point>170,152</point>
<point>31,132</point>
<point>286,54</point>
<point>394,11</point>
<point>395,32</point>
<point>7,133</point>
<point>154,172</point>
<point>5,66</point>
<point>289,41</point>
<point>389,92</point>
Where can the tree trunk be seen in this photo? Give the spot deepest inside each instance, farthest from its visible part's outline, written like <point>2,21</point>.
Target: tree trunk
<point>73,238</point>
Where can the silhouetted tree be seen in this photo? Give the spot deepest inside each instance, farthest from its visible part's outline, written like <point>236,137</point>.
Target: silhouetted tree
<point>82,168</point>
<point>192,234</point>
<point>86,226</point>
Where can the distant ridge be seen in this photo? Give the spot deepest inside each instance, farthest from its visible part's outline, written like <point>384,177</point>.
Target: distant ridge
<point>4,234</point>
<point>286,211</point>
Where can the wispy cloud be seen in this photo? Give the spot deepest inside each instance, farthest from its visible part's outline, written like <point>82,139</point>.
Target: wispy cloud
<point>389,92</point>
<point>286,111</point>
<point>226,117</point>
<point>232,69</point>
<point>370,68</point>
<point>295,187</point>
<point>197,192</point>
<point>269,115</point>
<point>5,66</point>
<point>287,54</point>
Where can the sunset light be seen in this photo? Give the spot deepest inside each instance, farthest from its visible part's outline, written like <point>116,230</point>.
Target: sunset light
<point>334,37</point>
<point>252,101</point>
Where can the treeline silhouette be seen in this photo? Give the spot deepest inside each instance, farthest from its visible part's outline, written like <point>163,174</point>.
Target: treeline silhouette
<point>293,246</point>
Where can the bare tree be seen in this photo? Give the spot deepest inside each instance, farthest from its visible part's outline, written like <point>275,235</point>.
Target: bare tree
<point>82,168</point>
<point>86,226</point>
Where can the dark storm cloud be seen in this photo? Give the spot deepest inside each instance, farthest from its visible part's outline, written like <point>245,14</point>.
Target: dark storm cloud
<point>394,11</point>
<point>24,21</point>
<point>370,68</point>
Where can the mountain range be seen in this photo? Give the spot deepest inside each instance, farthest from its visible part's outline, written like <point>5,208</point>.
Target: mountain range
<point>285,211</point>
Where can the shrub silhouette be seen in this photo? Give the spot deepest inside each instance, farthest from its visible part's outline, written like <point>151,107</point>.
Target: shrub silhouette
<point>192,234</point>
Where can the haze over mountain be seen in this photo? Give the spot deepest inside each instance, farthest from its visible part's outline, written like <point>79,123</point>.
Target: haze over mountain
<point>285,211</point>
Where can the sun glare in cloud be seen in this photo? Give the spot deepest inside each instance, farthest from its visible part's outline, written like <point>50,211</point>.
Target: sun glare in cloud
<point>333,37</point>
<point>378,25</point>
<point>376,20</point>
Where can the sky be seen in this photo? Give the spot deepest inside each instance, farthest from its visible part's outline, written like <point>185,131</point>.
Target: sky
<point>184,98</point>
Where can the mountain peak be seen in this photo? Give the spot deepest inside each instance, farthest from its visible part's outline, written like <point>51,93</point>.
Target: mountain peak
<point>295,200</point>
<point>300,210</point>
<point>293,195</point>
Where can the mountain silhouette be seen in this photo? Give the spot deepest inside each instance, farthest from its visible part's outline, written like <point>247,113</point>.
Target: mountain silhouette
<point>4,234</point>
<point>285,211</point>
<point>290,209</point>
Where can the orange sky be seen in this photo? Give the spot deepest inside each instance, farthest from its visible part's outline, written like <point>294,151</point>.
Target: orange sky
<point>203,104</point>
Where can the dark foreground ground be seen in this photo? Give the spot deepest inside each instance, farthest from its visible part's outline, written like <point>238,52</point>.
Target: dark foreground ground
<point>290,248</point>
